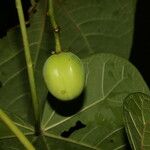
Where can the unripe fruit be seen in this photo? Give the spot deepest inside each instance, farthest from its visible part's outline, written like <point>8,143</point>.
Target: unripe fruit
<point>64,75</point>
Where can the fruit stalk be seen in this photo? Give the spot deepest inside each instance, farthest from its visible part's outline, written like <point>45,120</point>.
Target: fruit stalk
<point>4,117</point>
<point>29,63</point>
<point>55,27</point>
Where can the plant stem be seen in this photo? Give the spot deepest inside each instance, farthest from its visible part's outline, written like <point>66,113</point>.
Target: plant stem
<point>55,27</point>
<point>4,117</point>
<point>35,100</point>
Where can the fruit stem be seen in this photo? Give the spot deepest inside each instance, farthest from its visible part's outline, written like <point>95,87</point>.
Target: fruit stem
<point>30,70</point>
<point>55,27</point>
<point>21,137</point>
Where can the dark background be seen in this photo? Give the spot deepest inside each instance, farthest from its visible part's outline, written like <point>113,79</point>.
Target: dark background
<point>140,54</point>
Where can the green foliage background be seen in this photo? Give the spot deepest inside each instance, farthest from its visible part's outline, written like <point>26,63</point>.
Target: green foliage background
<point>98,31</point>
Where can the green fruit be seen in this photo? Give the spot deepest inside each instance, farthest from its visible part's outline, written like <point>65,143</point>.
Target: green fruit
<point>64,75</point>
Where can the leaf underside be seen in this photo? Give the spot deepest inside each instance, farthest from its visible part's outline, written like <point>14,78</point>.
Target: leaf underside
<point>137,120</point>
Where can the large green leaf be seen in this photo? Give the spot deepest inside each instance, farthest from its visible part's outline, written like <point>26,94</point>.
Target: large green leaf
<point>91,26</point>
<point>137,120</point>
<point>109,80</point>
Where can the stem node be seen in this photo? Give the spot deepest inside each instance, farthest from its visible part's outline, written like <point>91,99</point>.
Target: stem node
<point>57,30</point>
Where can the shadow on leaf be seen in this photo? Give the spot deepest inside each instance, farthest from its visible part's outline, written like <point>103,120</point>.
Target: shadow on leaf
<point>66,108</point>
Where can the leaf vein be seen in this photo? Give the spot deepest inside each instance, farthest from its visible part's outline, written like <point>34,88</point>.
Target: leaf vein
<point>120,147</point>
<point>88,133</point>
<point>70,140</point>
<point>110,134</point>
<point>135,125</point>
<point>13,76</point>
<point>50,118</point>
<point>78,28</point>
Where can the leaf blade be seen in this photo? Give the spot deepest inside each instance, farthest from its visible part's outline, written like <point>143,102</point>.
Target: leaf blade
<point>137,120</point>
<point>96,26</point>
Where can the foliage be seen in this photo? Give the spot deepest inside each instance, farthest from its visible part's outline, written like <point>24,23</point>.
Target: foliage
<point>137,120</point>
<point>95,31</point>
